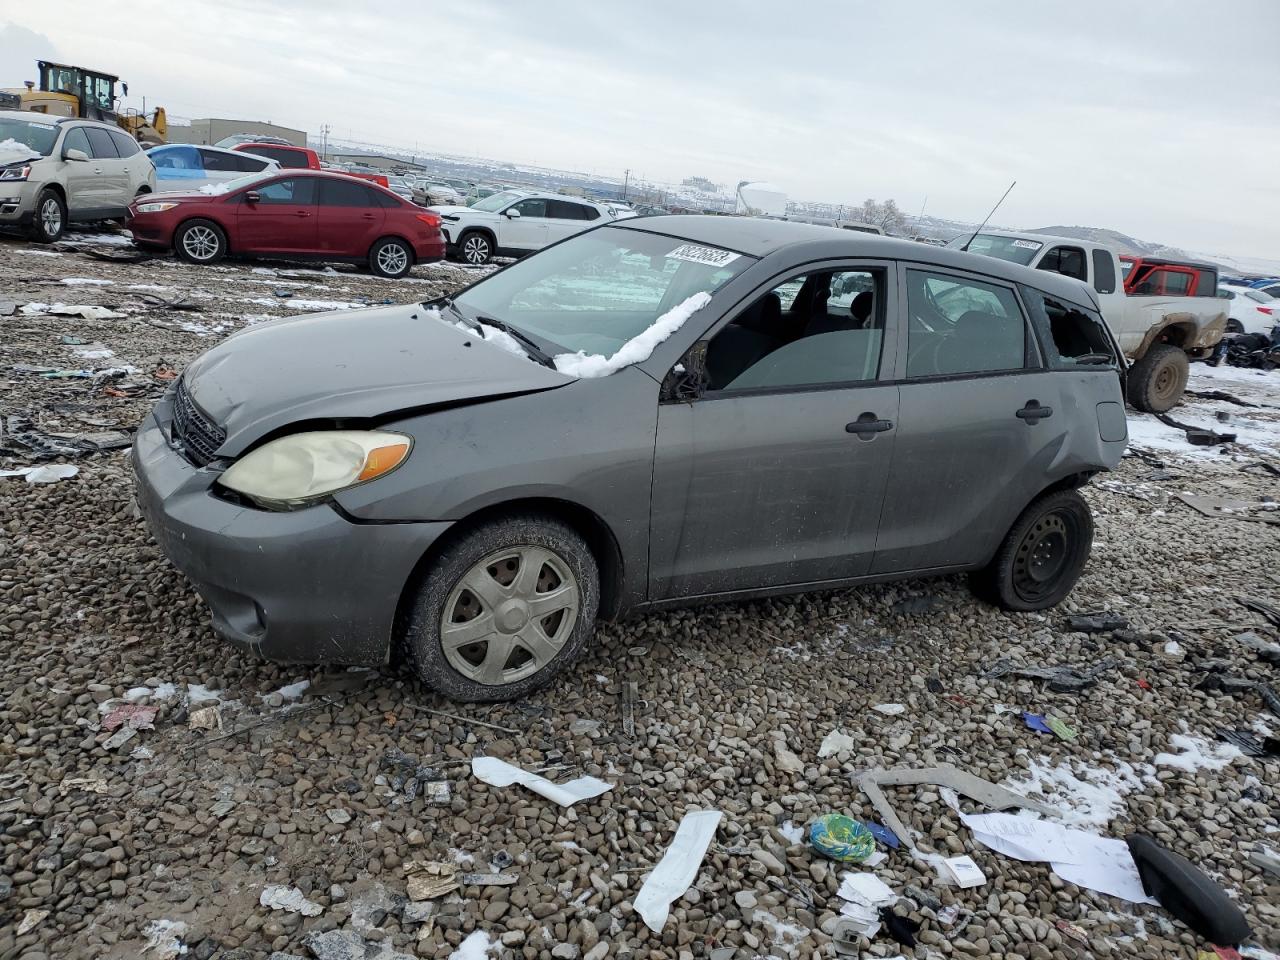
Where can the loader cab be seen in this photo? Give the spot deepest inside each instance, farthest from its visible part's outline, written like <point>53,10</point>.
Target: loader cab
<point>83,93</point>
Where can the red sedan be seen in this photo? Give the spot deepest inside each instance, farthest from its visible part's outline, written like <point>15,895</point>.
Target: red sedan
<point>294,215</point>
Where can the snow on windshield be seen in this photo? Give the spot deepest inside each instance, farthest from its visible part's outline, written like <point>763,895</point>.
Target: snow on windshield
<point>499,338</point>
<point>636,350</point>
<point>213,189</point>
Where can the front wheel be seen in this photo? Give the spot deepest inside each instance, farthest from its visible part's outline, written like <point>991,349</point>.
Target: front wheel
<point>1235,326</point>
<point>391,258</point>
<point>50,217</point>
<point>1157,380</point>
<point>200,241</point>
<point>1043,555</point>
<point>475,248</point>
<point>505,609</point>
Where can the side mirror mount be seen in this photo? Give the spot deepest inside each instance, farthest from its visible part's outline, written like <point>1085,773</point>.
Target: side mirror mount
<point>125,87</point>
<point>511,213</point>
<point>253,196</point>
<point>687,380</point>
<point>78,156</point>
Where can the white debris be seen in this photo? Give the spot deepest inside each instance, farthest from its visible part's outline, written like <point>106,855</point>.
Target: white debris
<point>784,936</point>
<point>289,899</point>
<point>321,305</point>
<point>890,709</point>
<point>86,281</point>
<point>85,312</point>
<point>1173,648</point>
<point>477,946</point>
<point>48,473</point>
<point>499,773</point>
<point>214,189</point>
<point>791,832</point>
<point>1197,754</point>
<point>638,348</point>
<point>164,938</point>
<point>293,690</point>
<point>836,742</point>
<point>865,888</point>
<point>678,867</point>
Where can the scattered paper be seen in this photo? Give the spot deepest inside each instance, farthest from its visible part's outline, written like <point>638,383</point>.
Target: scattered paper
<point>865,919</point>
<point>289,899</point>
<point>499,773</point>
<point>678,867</point>
<point>867,889</point>
<point>836,742</point>
<point>875,859</point>
<point>964,872</point>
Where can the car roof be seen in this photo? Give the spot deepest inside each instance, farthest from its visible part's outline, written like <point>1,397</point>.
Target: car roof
<point>1038,237</point>
<point>761,237</point>
<point>278,146</point>
<point>46,120</point>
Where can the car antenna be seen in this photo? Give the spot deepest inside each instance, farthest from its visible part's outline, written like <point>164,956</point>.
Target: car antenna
<point>988,216</point>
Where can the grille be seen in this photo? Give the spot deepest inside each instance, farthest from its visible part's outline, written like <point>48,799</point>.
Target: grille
<point>197,435</point>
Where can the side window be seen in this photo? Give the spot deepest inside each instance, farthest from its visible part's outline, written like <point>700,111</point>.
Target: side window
<point>246,163</point>
<point>587,213</point>
<point>1207,280</point>
<point>126,146</point>
<point>829,329</point>
<point>565,210</point>
<point>1072,336</point>
<point>532,207</point>
<point>299,191</point>
<point>1161,282</point>
<point>957,325</point>
<point>1104,272</point>
<point>76,140</point>
<point>341,192</point>
<point>289,159</point>
<point>217,162</point>
<point>102,146</point>
<point>1068,261</point>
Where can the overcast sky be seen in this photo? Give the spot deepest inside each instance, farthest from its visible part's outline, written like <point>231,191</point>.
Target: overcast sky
<point>1162,122</point>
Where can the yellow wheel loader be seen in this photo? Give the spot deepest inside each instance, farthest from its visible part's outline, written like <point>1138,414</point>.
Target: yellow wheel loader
<point>67,91</point>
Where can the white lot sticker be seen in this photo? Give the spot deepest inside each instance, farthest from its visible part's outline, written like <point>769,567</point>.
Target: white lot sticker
<point>1028,244</point>
<point>694,253</point>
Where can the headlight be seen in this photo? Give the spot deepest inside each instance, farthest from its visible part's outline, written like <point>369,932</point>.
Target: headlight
<point>155,207</point>
<point>15,173</point>
<point>300,469</point>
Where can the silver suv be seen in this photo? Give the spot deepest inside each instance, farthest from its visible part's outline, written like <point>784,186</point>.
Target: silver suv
<point>59,170</point>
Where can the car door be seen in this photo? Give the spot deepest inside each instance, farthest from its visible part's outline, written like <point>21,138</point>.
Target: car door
<point>774,473</point>
<point>136,166</point>
<point>528,231</point>
<point>565,218</point>
<point>980,422</point>
<point>113,177</point>
<point>178,167</point>
<point>350,217</point>
<point>84,184</point>
<point>281,220</point>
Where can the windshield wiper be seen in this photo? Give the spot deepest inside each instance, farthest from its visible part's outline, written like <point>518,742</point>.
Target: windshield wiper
<point>1095,359</point>
<point>530,347</point>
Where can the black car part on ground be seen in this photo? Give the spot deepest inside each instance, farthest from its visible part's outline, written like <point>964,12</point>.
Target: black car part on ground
<point>20,437</point>
<point>1187,893</point>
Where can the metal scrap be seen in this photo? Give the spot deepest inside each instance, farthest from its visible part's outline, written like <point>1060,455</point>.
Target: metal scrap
<point>1219,395</point>
<point>1062,679</point>
<point>944,775</point>
<point>1257,606</point>
<point>488,879</point>
<point>1197,436</point>
<point>1226,508</point>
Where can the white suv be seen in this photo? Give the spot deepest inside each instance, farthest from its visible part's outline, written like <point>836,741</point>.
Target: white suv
<point>58,170</point>
<point>516,222</point>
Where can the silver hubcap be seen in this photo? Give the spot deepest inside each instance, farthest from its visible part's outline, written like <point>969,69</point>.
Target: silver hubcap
<point>509,615</point>
<point>200,243</point>
<point>392,258</point>
<point>475,250</point>
<point>51,217</point>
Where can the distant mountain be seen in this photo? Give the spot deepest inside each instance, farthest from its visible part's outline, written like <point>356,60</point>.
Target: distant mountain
<point>1120,242</point>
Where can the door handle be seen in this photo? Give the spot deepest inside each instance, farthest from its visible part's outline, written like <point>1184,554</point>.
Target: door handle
<point>1033,413</point>
<point>368,216</point>
<point>867,426</point>
<point>302,213</point>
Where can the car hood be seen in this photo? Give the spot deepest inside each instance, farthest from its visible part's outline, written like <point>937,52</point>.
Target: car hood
<point>178,194</point>
<point>354,365</point>
<point>455,210</point>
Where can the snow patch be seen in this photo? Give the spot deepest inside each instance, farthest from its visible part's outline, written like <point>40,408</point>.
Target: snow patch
<point>784,936</point>
<point>791,832</point>
<point>317,305</point>
<point>293,690</point>
<point>164,938</point>
<point>38,253</point>
<point>477,946</point>
<point>86,281</point>
<point>636,350</point>
<point>1197,754</point>
<point>214,189</point>
<point>1085,796</point>
<point>499,338</point>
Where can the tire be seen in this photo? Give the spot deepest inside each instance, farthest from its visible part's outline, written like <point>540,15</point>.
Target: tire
<point>475,248</point>
<point>1042,556</point>
<point>1234,326</point>
<point>1157,380</point>
<point>50,217</point>
<point>496,663</point>
<point>200,241</point>
<point>391,258</point>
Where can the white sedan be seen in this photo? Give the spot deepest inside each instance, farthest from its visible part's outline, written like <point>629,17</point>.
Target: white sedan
<point>185,166</point>
<point>515,222</point>
<point>1251,311</point>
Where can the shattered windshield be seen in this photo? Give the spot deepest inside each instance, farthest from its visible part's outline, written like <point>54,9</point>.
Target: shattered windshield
<point>496,202</point>
<point>1013,249</point>
<point>19,136</point>
<point>597,291</point>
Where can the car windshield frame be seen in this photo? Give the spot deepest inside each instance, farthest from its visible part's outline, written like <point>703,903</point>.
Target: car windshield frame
<point>647,274</point>
<point>249,179</point>
<point>503,200</point>
<point>12,125</point>
<point>1008,249</point>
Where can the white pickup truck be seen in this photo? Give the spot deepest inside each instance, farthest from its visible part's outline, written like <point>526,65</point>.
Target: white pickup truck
<point>1161,312</point>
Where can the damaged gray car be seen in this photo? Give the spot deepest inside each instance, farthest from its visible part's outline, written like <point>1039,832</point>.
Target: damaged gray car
<point>652,413</point>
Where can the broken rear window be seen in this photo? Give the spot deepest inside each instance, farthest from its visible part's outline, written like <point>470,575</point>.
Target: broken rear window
<point>1073,336</point>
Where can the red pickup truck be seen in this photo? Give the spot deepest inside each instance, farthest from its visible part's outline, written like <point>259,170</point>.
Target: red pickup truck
<point>300,158</point>
<point>1153,277</point>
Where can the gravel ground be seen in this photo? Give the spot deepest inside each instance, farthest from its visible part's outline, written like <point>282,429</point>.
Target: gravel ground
<point>167,841</point>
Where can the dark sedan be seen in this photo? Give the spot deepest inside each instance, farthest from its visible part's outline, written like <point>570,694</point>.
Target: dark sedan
<point>655,412</point>
<point>296,215</point>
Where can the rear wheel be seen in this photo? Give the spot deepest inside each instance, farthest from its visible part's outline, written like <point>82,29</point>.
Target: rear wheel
<point>1042,556</point>
<point>200,241</point>
<point>1234,326</point>
<point>50,217</point>
<point>505,609</point>
<point>475,248</point>
<point>391,258</point>
<point>1157,380</point>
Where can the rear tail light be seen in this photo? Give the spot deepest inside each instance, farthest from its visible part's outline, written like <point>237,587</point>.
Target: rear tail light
<point>430,219</point>
<point>1266,310</point>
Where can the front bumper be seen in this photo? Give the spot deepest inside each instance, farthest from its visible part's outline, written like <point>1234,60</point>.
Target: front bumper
<point>306,586</point>
<point>17,203</point>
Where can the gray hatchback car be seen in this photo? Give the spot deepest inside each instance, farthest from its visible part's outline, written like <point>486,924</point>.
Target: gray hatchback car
<point>655,412</point>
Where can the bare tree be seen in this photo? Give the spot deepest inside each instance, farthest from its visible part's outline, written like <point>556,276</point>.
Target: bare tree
<point>884,215</point>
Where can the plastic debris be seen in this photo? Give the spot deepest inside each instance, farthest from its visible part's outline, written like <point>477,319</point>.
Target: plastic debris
<point>119,738</point>
<point>288,899</point>
<point>1266,649</point>
<point>1036,722</point>
<point>1060,728</point>
<point>132,714</point>
<point>902,929</point>
<point>48,473</point>
<point>963,872</point>
<point>499,773</point>
<point>866,889</point>
<point>678,867</point>
<point>431,880</point>
<point>1267,860</point>
<point>1063,679</point>
<point>1257,606</point>
<point>848,930</point>
<point>1225,508</point>
<point>883,834</point>
<point>1096,622</point>
<point>836,742</point>
<point>842,838</point>
<point>1187,893</point>
<point>890,709</point>
<point>488,879</point>
<point>1250,744</point>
